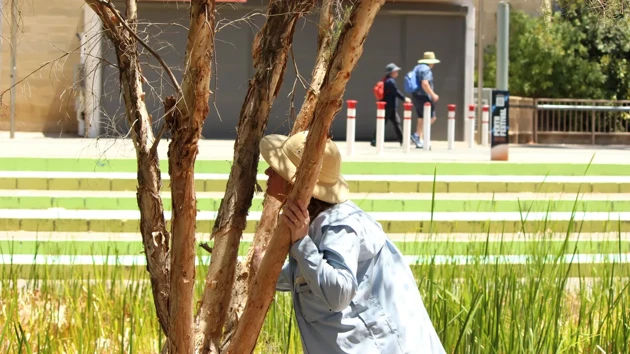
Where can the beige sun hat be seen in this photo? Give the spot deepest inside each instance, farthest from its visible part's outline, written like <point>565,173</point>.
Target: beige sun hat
<point>284,154</point>
<point>429,58</point>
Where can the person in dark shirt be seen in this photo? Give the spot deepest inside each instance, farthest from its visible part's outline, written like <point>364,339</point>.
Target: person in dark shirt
<point>390,96</point>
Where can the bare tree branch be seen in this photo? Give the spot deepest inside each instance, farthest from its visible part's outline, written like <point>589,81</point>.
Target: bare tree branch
<point>185,124</point>
<point>133,33</point>
<point>155,237</point>
<point>270,53</point>
<point>271,206</point>
<point>349,49</point>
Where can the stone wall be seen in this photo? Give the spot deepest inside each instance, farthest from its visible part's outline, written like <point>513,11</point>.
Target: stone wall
<point>47,30</point>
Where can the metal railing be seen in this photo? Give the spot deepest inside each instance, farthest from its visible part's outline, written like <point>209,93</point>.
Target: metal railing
<point>581,120</point>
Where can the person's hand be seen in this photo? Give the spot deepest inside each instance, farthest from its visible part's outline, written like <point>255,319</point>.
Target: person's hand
<point>296,216</point>
<point>435,97</point>
<point>407,99</point>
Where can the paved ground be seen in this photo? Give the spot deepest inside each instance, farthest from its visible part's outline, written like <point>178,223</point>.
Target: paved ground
<point>36,145</point>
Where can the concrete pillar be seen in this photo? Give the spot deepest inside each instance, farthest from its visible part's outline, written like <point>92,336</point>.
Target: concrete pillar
<point>469,71</point>
<point>503,45</point>
<point>92,40</point>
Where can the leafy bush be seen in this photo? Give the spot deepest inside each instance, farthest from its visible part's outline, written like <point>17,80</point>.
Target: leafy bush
<point>574,53</point>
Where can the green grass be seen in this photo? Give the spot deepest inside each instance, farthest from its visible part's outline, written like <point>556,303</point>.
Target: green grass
<point>475,309</point>
<point>367,204</point>
<point>539,307</point>
<point>435,247</point>
<point>402,168</point>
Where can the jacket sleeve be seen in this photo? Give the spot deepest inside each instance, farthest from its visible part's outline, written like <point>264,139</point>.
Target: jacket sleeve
<point>330,271</point>
<point>284,282</point>
<point>390,86</point>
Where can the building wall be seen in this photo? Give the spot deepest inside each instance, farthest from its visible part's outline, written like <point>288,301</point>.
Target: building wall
<point>47,29</point>
<point>397,35</point>
<point>45,101</point>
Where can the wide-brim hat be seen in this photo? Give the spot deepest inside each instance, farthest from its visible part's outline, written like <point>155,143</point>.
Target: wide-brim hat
<point>284,154</point>
<point>429,58</point>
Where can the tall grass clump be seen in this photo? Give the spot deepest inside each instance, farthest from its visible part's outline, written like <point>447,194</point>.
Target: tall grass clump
<point>540,305</point>
<point>483,300</point>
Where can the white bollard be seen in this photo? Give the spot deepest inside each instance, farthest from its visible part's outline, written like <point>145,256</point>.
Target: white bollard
<point>451,126</point>
<point>426,130</point>
<point>484,125</point>
<point>471,126</point>
<point>407,127</point>
<point>351,126</point>
<point>380,127</point>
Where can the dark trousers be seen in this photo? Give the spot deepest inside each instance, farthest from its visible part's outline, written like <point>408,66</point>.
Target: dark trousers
<point>391,115</point>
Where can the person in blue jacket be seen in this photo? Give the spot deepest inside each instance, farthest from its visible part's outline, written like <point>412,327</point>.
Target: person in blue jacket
<point>352,290</point>
<point>391,94</point>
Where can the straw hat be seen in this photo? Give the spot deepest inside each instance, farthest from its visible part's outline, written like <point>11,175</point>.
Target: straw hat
<point>429,58</point>
<point>284,153</point>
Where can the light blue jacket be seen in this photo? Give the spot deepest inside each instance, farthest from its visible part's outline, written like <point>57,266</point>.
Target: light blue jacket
<point>352,290</point>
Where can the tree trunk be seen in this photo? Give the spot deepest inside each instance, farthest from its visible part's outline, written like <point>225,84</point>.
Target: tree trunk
<point>185,123</point>
<point>347,53</point>
<point>155,237</point>
<point>271,206</point>
<point>270,52</point>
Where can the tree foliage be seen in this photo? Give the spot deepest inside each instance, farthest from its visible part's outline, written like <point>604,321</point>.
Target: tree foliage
<point>577,52</point>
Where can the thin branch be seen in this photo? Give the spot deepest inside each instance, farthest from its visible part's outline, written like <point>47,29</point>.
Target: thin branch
<point>146,46</point>
<point>32,73</point>
<point>297,71</point>
<point>205,246</point>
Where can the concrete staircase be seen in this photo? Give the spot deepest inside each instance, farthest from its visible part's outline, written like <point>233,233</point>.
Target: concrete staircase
<point>61,202</point>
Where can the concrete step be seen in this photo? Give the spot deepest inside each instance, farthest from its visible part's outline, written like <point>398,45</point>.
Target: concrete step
<point>216,182</point>
<point>392,222</point>
<point>354,196</point>
<point>73,237</point>
<point>108,159</point>
<point>406,202</point>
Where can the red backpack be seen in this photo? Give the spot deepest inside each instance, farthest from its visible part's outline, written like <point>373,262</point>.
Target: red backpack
<point>379,90</point>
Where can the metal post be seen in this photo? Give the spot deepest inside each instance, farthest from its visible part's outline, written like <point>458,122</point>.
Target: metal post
<point>451,126</point>
<point>593,127</point>
<point>480,21</point>
<point>471,126</point>
<point>350,126</point>
<point>469,73</point>
<point>1,37</point>
<point>535,113</point>
<point>484,125</point>
<point>13,65</point>
<point>407,127</point>
<point>426,130</point>
<point>503,38</point>
<point>380,127</point>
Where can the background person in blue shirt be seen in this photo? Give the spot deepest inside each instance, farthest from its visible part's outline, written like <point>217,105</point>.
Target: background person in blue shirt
<point>390,96</point>
<point>424,94</point>
<point>352,290</point>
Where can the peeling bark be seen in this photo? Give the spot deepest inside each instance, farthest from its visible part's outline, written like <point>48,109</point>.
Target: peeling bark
<point>185,123</point>
<point>270,52</point>
<point>271,206</point>
<point>155,236</point>
<point>347,52</point>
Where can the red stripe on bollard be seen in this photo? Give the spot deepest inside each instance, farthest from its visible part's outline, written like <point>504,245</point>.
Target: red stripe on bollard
<point>380,111</point>
<point>451,111</point>
<point>352,112</point>
<point>408,107</point>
